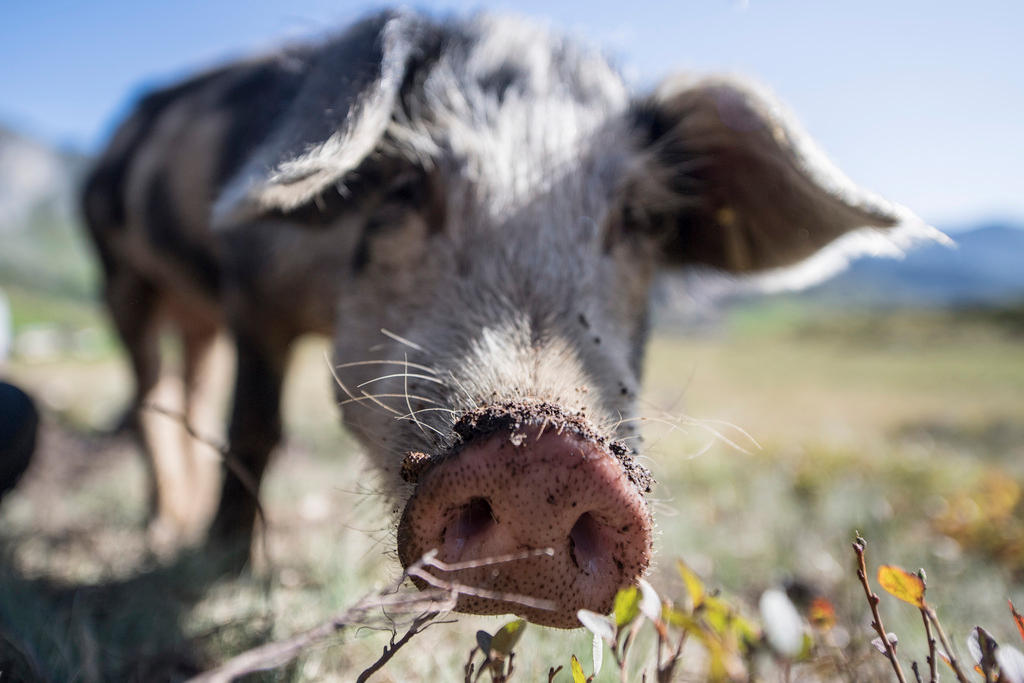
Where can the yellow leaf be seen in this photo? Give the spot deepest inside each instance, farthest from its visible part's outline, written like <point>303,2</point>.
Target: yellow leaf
<point>627,606</point>
<point>718,614</point>
<point>694,586</point>
<point>507,636</point>
<point>577,671</point>
<point>747,632</point>
<point>678,618</point>
<point>902,584</point>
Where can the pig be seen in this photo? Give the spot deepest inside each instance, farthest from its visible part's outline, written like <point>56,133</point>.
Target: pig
<point>474,211</point>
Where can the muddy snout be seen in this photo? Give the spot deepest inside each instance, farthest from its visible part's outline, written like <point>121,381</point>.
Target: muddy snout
<point>527,486</point>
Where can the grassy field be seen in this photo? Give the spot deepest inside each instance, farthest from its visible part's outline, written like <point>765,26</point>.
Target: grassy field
<point>772,439</point>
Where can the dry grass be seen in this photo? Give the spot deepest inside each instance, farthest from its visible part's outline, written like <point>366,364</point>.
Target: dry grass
<point>886,427</point>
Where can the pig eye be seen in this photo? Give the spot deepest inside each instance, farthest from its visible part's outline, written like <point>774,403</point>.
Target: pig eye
<point>418,190</point>
<point>408,189</point>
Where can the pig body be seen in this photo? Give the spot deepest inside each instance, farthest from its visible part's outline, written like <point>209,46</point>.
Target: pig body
<point>474,212</point>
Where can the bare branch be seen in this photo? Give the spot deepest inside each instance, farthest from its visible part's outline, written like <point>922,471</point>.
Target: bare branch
<point>419,624</point>
<point>953,663</point>
<point>430,559</point>
<point>933,676</point>
<point>876,623</point>
<point>442,596</point>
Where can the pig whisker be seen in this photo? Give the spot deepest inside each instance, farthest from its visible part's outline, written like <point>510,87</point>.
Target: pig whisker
<point>739,429</point>
<point>673,426</point>
<point>334,374</point>
<point>362,492</point>
<point>668,414</point>
<point>408,364</point>
<point>412,418</point>
<point>702,451</point>
<point>408,402</point>
<point>705,425</point>
<point>406,375</point>
<point>427,410</point>
<point>722,437</point>
<point>642,418</point>
<point>366,397</point>
<point>461,386</point>
<point>402,340</point>
<point>370,435</point>
<point>679,422</point>
<point>382,405</point>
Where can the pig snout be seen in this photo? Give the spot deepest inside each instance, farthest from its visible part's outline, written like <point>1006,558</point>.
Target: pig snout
<point>522,482</point>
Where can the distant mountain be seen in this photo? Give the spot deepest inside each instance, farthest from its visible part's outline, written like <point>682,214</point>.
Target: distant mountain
<point>985,268</point>
<point>35,177</point>
<point>42,245</point>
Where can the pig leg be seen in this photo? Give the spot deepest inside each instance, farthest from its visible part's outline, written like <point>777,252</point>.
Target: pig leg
<point>203,361</point>
<point>254,431</point>
<point>136,308</point>
<point>133,305</point>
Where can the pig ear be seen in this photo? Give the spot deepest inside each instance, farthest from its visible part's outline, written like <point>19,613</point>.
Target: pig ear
<point>336,119</point>
<point>735,184</point>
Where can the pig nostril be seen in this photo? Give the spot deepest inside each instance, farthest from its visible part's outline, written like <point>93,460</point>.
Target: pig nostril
<point>475,519</point>
<point>585,544</point>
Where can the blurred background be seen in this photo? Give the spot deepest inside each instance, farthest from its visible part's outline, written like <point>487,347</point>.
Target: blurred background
<point>889,399</point>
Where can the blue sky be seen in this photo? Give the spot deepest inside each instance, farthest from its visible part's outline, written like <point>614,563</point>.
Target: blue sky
<point>921,101</point>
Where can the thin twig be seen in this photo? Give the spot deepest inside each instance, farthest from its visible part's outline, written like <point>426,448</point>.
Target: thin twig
<point>953,664</point>
<point>273,655</point>
<point>418,625</point>
<point>463,589</point>
<point>677,654</point>
<point>430,560</point>
<point>468,668</point>
<point>427,604</point>
<point>664,675</point>
<point>621,661</point>
<point>862,574</point>
<point>932,674</point>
